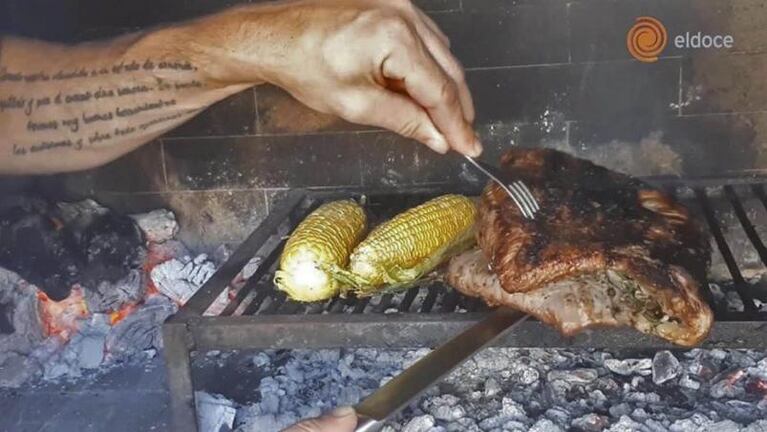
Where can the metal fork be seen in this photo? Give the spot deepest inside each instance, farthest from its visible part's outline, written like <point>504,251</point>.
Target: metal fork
<point>517,190</point>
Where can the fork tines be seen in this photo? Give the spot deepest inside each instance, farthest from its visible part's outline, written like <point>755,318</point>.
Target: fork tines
<point>523,198</point>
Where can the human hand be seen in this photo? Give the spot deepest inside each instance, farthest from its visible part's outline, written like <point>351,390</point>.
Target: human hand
<point>376,62</point>
<point>341,420</point>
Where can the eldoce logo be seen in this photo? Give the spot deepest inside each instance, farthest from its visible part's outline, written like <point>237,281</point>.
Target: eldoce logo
<point>647,38</point>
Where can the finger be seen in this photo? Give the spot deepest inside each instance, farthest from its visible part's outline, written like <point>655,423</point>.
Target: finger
<point>341,420</point>
<point>433,27</point>
<point>452,67</point>
<point>395,112</point>
<point>435,91</point>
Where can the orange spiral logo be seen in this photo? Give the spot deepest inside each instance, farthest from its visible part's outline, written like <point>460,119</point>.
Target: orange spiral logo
<point>646,39</point>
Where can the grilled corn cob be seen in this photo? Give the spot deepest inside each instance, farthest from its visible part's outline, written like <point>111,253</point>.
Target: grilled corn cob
<point>319,247</point>
<point>400,251</point>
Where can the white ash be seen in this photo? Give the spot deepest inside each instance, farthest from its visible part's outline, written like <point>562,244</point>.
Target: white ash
<point>629,367</point>
<point>84,351</point>
<point>496,390</point>
<point>19,304</point>
<point>665,367</point>
<point>215,413</point>
<point>158,226</point>
<point>109,297</point>
<point>179,279</point>
<point>141,330</point>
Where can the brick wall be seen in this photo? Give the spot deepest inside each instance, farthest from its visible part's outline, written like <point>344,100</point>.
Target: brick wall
<point>543,73</point>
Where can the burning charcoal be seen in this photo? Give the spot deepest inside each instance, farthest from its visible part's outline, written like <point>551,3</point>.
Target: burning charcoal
<point>590,423</point>
<point>261,360</point>
<point>141,329</point>
<point>688,382</point>
<point>158,226</point>
<point>447,413</point>
<point>642,398</point>
<point>757,426</point>
<point>545,425</point>
<point>629,366</point>
<point>665,367</point>
<point>559,416</point>
<point>695,422</point>
<point>512,410</point>
<point>738,410</point>
<point>575,376</point>
<point>444,407</point>
<point>740,359</point>
<point>462,425</point>
<point>639,415</point>
<point>215,413</point>
<point>725,426</point>
<point>514,426</point>
<point>419,424</point>
<point>652,425</point>
<point>757,386</point>
<point>180,279</point>
<point>16,369</point>
<point>492,387</point>
<point>625,424</point>
<point>718,354</point>
<point>88,343</point>
<point>113,296</point>
<point>729,385</point>
<point>524,374</point>
<point>704,368</point>
<point>761,368</point>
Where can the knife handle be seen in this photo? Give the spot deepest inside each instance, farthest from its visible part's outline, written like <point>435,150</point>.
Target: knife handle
<point>367,424</point>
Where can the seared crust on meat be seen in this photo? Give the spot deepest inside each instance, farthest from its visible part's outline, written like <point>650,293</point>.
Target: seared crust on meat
<point>594,224</point>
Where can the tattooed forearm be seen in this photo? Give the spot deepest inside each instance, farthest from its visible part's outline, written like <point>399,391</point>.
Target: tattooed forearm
<point>72,107</point>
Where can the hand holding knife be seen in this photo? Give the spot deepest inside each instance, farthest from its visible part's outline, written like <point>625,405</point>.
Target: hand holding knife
<point>404,388</point>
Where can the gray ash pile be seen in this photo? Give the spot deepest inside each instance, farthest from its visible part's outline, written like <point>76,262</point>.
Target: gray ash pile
<point>83,289</point>
<point>525,390</point>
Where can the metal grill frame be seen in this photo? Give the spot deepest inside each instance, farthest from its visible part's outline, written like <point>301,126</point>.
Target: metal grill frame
<point>189,331</point>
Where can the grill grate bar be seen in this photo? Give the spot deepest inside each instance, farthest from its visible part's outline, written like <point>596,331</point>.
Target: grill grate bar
<point>244,296</point>
<point>263,290</point>
<point>746,223</point>
<point>276,302</point>
<point>384,304</point>
<point>269,263</point>
<point>724,249</point>
<point>407,301</point>
<point>430,299</point>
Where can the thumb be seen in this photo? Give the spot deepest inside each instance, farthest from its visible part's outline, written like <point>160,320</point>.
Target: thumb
<point>342,419</point>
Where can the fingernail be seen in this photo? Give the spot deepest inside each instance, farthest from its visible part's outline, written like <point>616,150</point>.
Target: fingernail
<point>438,144</point>
<point>342,411</point>
<point>476,149</point>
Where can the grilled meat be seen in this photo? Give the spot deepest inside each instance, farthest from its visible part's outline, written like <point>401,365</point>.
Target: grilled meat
<point>605,249</point>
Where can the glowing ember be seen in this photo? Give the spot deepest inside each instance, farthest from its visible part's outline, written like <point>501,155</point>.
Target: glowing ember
<point>117,316</point>
<point>156,255</point>
<point>757,385</point>
<point>736,376</point>
<point>60,318</point>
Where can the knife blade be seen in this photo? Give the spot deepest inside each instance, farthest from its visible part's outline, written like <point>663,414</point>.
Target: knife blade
<point>396,394</point>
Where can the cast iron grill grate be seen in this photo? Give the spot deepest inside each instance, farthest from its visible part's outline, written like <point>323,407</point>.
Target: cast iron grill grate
<point>712,204</point>
<point>258,316</point>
